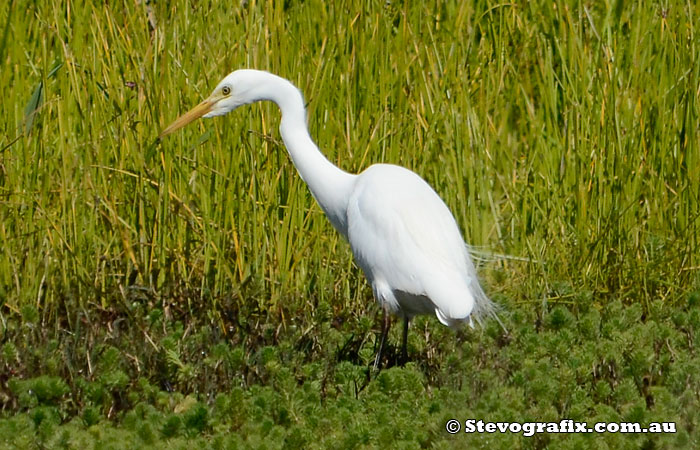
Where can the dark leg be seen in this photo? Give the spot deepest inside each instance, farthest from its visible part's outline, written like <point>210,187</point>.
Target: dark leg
<point>385,330</point>
<point>404,340</point>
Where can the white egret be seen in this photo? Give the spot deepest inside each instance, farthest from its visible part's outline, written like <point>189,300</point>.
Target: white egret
<point>401,233</point>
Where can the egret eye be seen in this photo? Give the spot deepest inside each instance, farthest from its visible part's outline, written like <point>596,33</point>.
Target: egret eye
<point>226,90</point>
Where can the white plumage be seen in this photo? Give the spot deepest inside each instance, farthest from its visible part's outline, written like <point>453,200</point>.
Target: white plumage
<point>407,243</point>
<point>402,234</point>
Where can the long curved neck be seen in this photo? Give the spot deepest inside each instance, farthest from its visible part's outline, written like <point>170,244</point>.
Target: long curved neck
<point>330,185</point>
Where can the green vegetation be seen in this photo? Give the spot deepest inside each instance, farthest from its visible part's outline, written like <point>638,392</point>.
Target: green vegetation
<point>191,292</point>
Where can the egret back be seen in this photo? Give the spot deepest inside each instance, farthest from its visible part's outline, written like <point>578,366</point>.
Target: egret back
<point>408,244</point>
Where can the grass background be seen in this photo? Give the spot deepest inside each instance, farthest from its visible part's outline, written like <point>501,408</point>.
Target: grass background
<point>158,294</point>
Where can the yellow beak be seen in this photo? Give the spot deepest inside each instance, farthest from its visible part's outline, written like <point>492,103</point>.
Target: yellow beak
<point>191,115</point>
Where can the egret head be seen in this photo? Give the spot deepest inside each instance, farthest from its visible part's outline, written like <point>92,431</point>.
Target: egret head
<point>238,88</point>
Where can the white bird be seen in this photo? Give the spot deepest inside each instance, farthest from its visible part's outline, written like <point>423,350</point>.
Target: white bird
<point>402,234</point>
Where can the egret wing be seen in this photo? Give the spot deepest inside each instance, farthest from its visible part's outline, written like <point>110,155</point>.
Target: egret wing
<point>404,236</point>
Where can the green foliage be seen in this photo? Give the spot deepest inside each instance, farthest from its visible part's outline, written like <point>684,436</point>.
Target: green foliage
<point>190,293</point>
<point>38,391</point>
<point>595,365</point>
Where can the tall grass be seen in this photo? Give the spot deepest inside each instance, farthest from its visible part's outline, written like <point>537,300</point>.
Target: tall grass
<point>152,293</point>
<point>562,132</point>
